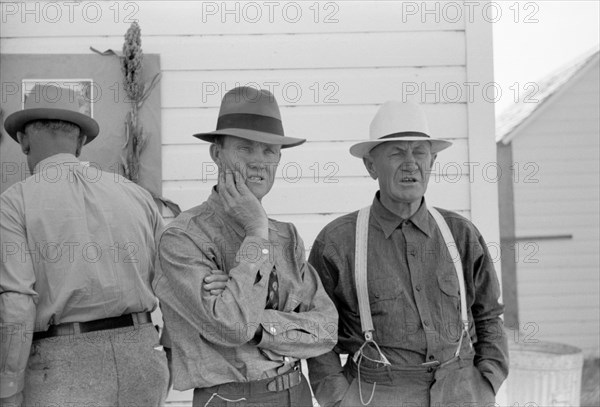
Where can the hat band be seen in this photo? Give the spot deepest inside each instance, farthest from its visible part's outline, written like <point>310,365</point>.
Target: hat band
<point>405,134</point>
<point>249,121</point>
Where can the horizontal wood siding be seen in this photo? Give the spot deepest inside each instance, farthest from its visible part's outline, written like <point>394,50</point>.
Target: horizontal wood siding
<point>329,79</point>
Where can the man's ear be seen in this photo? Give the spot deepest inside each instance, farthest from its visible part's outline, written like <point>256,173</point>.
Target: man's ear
<point>24,142</point>
<point>80,142</point>
<point>433,157</point>
<point>370,165</point>
<point>215,153</point>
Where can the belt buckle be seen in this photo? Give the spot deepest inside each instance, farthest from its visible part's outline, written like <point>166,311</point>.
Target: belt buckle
<point>273,385</point>
<point>433,363</point>
<point>284,381</point>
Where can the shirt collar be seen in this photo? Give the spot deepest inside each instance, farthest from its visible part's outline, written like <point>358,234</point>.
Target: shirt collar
<point>214,202</point>
<point>54,160</point>
<point>389,221</point>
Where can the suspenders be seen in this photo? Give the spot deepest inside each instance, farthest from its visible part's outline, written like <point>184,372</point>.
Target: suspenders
<point>360,278</point>
<point>455,256</point>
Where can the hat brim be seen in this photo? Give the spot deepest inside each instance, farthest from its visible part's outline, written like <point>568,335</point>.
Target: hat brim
<point>17,121</point>
<point>253,135</point>
<point>360,149</point>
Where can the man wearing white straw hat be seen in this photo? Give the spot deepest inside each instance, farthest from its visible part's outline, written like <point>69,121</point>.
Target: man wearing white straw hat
<point>420,321</point>
<point>241,343</point>
<point>78,248</point>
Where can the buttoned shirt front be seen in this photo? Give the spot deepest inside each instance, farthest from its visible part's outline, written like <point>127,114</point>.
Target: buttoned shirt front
<point>413,291</point>
<point>78,244</point>
<point>212,336</point>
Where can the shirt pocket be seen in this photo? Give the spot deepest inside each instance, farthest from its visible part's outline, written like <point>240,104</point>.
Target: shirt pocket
<point>387,309</point>
<point>450,305</point>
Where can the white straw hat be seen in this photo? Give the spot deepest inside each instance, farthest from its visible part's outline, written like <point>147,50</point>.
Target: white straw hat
<point>398,121</point>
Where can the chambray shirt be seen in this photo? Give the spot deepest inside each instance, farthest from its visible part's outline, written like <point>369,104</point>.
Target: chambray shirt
<point>78,244</point>
<point>212,336</point>
<point>413,294</point>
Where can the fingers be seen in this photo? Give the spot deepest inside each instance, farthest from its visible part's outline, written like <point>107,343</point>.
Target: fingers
<point>230,184</point>
<point>216,281</point>
<point>221,186</point>
<point>227,189</point>
<point>234,185</point>
<point>241,184</point>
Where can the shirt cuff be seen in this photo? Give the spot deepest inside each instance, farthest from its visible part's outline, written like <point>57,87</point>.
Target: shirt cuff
<point>279,329</point>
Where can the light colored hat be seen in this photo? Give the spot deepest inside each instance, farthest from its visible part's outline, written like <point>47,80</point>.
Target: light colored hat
<point>398,121</point>
<point>250,114</point>
<point>50,102</point>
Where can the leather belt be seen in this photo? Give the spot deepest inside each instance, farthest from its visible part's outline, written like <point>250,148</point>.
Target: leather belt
<point>278,383</point>
<point>285,381</point>
<point>74,328</point>
<point>393,374</point>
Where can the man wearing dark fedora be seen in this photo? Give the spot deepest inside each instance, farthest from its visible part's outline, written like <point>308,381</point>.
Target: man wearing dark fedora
<point>242,343</point>
<point>419,320</point>
<point>75,280</point>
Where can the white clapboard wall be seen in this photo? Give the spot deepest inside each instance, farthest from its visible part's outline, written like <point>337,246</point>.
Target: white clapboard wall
<point>329,64</point>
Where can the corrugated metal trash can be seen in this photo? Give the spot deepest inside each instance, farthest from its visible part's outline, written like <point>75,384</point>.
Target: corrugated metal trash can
<point>544,374</point>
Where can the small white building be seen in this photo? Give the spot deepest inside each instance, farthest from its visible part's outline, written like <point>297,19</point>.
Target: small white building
<point>549,151</point>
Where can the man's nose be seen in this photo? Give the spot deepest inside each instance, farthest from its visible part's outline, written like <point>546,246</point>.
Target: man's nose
<point>409,164</point>
<point>257,163</point>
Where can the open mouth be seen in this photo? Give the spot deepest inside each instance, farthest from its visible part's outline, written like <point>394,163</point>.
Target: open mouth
<point>255,178</point>
<point>409,179</point>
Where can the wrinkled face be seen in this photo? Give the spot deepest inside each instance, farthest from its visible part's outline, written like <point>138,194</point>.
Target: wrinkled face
<point>402,169</point>
<point>256,162</point>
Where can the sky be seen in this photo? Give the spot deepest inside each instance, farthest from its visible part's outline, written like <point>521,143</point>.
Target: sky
<point>534,39</point>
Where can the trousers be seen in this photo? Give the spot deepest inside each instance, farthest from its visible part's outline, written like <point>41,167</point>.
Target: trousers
<point>457,384</point>
<point>113,367</point>
<point>241,395</point>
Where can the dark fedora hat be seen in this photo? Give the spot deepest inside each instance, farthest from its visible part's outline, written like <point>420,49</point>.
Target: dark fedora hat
<point>50,102</point>
<point>250,114</point>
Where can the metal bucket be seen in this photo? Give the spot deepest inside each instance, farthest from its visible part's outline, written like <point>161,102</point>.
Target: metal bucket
<point>544,374</point>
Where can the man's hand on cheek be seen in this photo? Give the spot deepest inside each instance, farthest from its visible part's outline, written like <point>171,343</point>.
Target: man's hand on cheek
<point>241,204</point>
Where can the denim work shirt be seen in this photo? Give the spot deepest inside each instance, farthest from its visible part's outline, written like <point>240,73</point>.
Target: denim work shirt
<point>78,244</point>
<point>212,336</point>
<point>413,294</point>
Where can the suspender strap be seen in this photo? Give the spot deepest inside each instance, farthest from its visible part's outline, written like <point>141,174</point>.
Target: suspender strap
<point>455,256</point>
<point>360,270</point>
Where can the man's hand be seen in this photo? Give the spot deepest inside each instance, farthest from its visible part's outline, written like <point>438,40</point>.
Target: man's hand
<point>241,204</point>
<point>215,282</point>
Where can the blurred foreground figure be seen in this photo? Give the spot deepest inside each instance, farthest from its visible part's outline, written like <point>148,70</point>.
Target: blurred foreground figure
<point>78,248</point>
